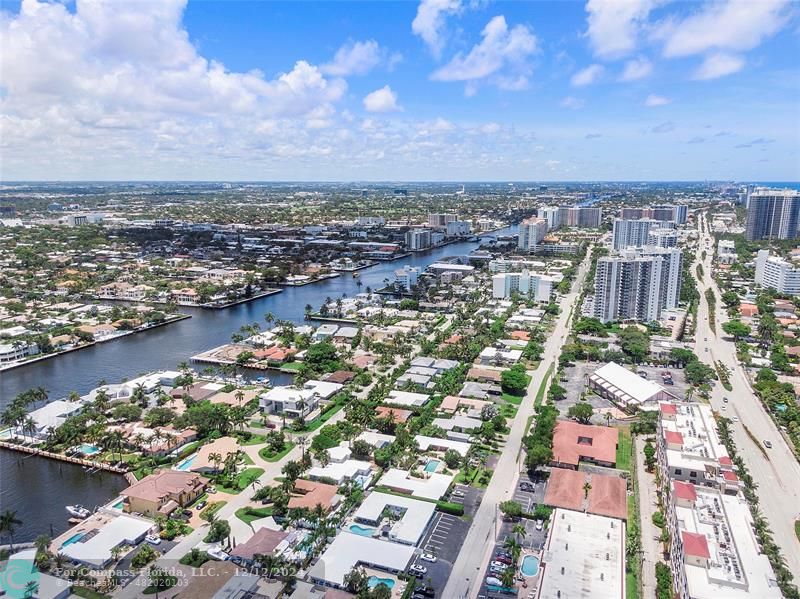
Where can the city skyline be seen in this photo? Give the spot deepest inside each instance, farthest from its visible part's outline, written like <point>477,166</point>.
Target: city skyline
<point>441,90</point>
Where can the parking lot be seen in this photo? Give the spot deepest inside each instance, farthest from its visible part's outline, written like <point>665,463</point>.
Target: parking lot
<point>445,538</point>
<point>532,540</point>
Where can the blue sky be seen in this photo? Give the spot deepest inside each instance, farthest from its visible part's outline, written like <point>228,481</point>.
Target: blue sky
<point>432,90</point>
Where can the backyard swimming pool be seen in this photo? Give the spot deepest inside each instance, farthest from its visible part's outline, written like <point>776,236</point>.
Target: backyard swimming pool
<point>432,465</point>
<point>73,539</point>
<point>186,464</point>
<point>374,581</point>
<point>364,531</point>
<point>530,565</point>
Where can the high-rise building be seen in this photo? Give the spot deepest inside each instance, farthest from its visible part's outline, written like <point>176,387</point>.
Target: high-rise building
<point>551,215</point>
<point>773,214</point>
<point>406,277</point>
<point>580,216</point>
<point>681,214</point>
<point>633,233</point>
<point>418,239</point>
<point>637,284</point>
<point>663,213</point>
<point>536,285</point>
<point>440,220</point>
<point>776,273</point>
<point>663,238</point>
<point>677,213</point>
<point>531,233</point>
<point>629,213</point>
<point>457,228</point>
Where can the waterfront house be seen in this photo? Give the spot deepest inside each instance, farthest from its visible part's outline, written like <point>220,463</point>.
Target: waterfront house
<point>163,492</point>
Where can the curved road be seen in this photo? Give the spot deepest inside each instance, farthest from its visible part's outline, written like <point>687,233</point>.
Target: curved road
<point>465,576</point>
<point>776,471</point>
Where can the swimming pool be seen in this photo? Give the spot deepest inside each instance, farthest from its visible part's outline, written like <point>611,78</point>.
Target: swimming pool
<point>374,581</point>
<point>73,539</point>
<point>432,465</point>
<point>87,449</point>
<point>364,531</point>
<point>119,505</point>
<point>530,565</point>
<point>187,463</point>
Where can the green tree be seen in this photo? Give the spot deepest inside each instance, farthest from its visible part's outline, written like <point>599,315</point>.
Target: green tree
<point>736,329</point>
<point>649,456</point>
<point>582,412</point>
<point>514,380</point>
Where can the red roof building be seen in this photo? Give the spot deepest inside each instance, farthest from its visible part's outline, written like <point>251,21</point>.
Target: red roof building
<point>695,545</point>
<point>573,442</point>
<point>685,491</point>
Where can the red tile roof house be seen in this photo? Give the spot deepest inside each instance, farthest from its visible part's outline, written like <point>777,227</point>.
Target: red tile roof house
<point>748,310</point>
<point>695,549</point>
<point>573,443</point>
<point>263,542</point>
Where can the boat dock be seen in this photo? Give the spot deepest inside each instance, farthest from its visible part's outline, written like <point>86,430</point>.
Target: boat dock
<point>63,458</point>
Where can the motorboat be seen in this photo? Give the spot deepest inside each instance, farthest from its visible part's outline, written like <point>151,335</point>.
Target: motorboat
<point>78,511</point>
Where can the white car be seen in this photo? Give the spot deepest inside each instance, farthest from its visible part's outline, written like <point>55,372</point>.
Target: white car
<point>539,524</point>
<point>417,569</point>
<point>153,539</point>
<point>735,418</point>
<point>428,557</point>
<point>217,553</point>
<point>500,565</point>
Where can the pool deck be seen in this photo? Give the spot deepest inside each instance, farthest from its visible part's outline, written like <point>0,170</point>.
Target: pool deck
<point>63,458</point>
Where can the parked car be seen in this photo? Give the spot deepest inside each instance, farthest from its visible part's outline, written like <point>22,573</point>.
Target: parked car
<point>643,374</point>
<point>153,539</point>
<point>493,581</point>
<point>417,569</point>
<point>499,564</point>
<point>428,557</point>
<point>539,524</point>
<point>200,505</point>
<point>526,486</point>
<point>458,493</point>
<point>767,443</point>
<point>502,559</point>
<point>725,399</point>
<point>735,418</point>
<point>425,590</point>
<point>211,490</point>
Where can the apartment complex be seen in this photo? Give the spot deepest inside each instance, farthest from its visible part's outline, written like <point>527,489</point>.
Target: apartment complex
<point>714,551</point>
<point>664,238</point>
<point>637,284</point>
<point>675,213</point>
<point>536,285</point>
<point>634,233</point>
<point>439,221</point>
<point>776,273</point>
<point>531,233</point>
<point>580,216</point>
<point>726,251</point>
<point>773,214</point>
<point>418,239</point>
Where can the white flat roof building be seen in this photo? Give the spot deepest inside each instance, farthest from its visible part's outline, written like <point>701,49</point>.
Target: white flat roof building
<point>54,414</point>
<point>714,551</point>
<point>96,550</point>
<point>584,557</point>
<point>415,515</point>
<point>375,438</point>
<point>408,399</point>
<point>342,471</point>
<point>349,550</point>
<point>626,388</point>
<point>401,481</point>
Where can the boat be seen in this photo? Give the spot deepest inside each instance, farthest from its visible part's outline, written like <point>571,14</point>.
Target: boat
<point>356,275</point>
<point>74,520</point>
<point>78,511</point>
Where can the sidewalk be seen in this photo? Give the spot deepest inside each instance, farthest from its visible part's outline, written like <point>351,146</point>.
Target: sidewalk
<point>648,503</point>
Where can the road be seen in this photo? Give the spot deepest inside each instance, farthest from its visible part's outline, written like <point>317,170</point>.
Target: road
<point>465,576</point>
<point>775,471</point>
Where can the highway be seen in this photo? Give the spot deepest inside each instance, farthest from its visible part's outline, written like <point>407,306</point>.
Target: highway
<point>776,470</point>
<point>465,576</point>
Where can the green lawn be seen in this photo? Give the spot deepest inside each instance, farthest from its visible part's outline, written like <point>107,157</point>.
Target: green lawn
<point>512,399</point>
<point>624,449</point>
<point>291,366</point>
<point>267,454</point>
<point>247,460</point>
<point>243,481</point>
<point>254,440</point>
<point>320,420</point>
<point>88,593</point>
<point>543,387</point>
<point>211,509</point>
<point>249,514</point>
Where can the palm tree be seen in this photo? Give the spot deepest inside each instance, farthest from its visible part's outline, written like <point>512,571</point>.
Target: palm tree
<point>8,525</point>
<point>519,531</point>
<point>269,317</point>
<point>302,441</point>
<point>215,459</point>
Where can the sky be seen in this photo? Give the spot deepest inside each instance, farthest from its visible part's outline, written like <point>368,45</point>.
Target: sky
<point>436,90</point>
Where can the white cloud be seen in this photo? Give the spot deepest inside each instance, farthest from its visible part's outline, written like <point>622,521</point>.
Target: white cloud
<point>381,100</point>
<point>354,58</point>
<point>500,56</point>
<point>718,65</point>
<point>635,69</point>
<point>430,21</point>
<point>655,100</point>
<point>489,128</point>
<point>588,75</point>
<point>614,25</point>
<point>572,103</point>
<point>733,25</point>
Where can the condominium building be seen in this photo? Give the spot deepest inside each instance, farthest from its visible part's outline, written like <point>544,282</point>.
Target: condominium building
<point>406,277</point>
<point>677,213</point>
<point>671,271</point>
<point>580,216</point>
<point>551,215</point>
<point>776,273</point>
<point>773,214</point>
<point>627,289</point>
<point>633,233</point>
<point>418,239</point>
<point>531,233</point>
<point>440,220</point>
<point>726,251</point>
<point>664,238</point>
<point>536,285</point>
<point>690,450</point>
<point>458,228</point>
